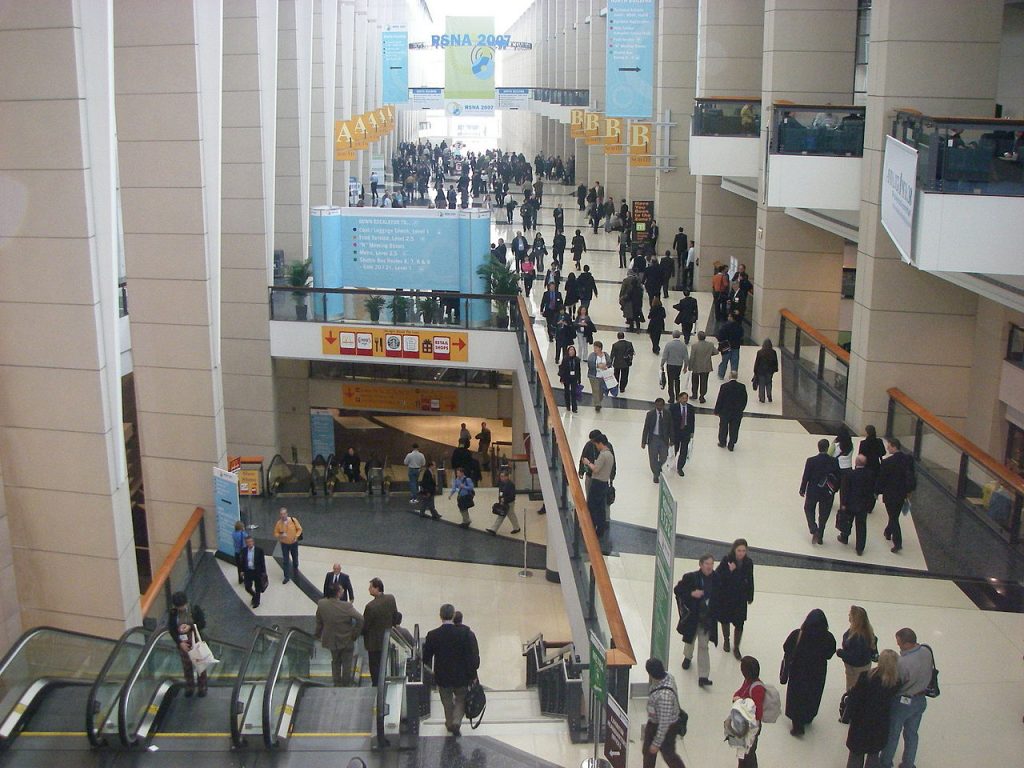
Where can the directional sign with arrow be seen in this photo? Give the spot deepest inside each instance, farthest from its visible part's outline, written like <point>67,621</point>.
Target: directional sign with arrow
<point>404,343</point>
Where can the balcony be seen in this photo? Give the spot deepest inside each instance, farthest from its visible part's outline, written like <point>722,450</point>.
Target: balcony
<point>725,137</point>
<point>967,211</point>
<point>814,158</point>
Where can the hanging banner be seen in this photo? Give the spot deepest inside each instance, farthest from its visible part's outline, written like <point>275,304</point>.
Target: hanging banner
<point>388,397</point>
<point>408,344</point>
<point>576,123</point>
<point>395,65</point>
<point>664,559</point>
<point>899,185</point>
<point>613,144</point>
<point>592,124</point>
<point>469,107</point>
<point>512,98</point>
<point>225,500</point>
<point>426,98</point>
<point>643,215</point>
<point>344,144</point>
<point>629,59</point>
<point>641,143</point>
<point>469,57</point>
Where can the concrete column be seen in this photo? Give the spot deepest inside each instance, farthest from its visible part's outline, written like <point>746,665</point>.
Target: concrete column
<point>911,42</point>
<point>809,59</point>
<point>359,75</point>
<point>344,66</point>
<point>247,241</point>
<point>169,63</point>
<point>583,25</point>
<point>598,38</point>
<point>731,36</point>
<point>569,69</point>
<point>317,106</point>
<point>62,464</point>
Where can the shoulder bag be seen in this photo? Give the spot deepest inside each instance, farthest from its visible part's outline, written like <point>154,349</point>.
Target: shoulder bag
<point>199,654</point>
<point>932,691</point>
<point>787,659</point>
<point>476,704</point>
<point>683,719</point>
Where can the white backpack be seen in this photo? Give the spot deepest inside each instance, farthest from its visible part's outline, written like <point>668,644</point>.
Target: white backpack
<point>772,703</point>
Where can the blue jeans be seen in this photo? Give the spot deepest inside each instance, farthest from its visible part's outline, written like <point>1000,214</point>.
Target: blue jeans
<point>290,551</point>
<point>905,718</point>
<point>414,482</point>
<point>732,357</point>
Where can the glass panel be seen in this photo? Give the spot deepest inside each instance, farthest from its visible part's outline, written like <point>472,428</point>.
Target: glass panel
<point>903,426</point>
<point>988,495</point>
<point>107,691</point>
<point>836,131</point>
<point>294,665</point>
<point>732,117</point>
<point>940,459</point>
<point>51,654</point>
<point>161,666</point>
<point>1015,346</point>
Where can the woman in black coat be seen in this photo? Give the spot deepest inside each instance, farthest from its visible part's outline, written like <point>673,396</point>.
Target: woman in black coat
<point>571,297</point>
<point>736,592</point>
<point>868,707</point>
<point>656,324</point>
<point>807,651</point>
<point>873,449</point>
<point>569,373</point>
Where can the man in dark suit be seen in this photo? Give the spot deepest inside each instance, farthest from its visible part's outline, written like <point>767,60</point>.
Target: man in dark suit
<point>656,437</point>
<point>340,580</point>
<point>859,493</point>
<point>682,415</point>
<point>686,314</point>
<point>551,304</point>
<point>453,652</point>
<point>732,400</point>
<point>668,268</point>
<point>428,490</point>
<point>338,625</point>
<point>378,617</point>
<point>818,488</point>
<point>895,483</point>
<point>254,571</point>
<point>696,594</point>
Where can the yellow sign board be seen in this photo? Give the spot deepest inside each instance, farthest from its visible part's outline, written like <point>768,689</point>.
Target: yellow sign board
<point>591,124</point>
<point>613,136</point>
<point>641,140</point>
<point>401,343</point>
<point>344,146</point>
<point>249,482</point>
<point>576,123</point>
<point>390,397</point>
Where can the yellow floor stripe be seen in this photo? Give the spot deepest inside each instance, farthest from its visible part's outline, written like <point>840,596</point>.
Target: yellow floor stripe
<point>197,735</point>
<point>336,735</point>
<point>52,733</point>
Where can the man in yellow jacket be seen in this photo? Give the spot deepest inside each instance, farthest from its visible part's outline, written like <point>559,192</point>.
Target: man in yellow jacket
<point>288,531</point>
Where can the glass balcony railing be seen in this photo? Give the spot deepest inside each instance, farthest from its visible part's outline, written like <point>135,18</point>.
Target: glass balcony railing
<point>967,156</point>
<point>566,97</point>
<point>813,129</point>
<point>814,353</point>
<point>736,117</point>
<point>413,308</point>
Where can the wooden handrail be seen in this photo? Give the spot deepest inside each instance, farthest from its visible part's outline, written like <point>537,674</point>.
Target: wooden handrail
<point>817,335</point>
<point>1006,475</point>
<point>621,654</point>
<point>164,572</point>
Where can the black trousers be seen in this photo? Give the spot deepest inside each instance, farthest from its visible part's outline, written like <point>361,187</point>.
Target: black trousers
<point>672,373</point>
<point>683,451</point>
<point>622,376</point>
<point>687,332</point>
<point>571,401</point>
<point>728,428</point>
<point>374,665</point>
<point>700,381</point>
<point>894,507</point>
<point>818,500</point>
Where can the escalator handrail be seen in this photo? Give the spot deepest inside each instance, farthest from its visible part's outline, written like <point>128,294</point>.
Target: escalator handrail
<point>382,677</point>
<point>258,633</point>
<point>133,678</point>
<point>90,730</point>
<point>272,680</point>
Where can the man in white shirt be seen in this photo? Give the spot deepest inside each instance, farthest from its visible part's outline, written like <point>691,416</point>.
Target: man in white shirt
<point>691,262</point>
<point>414,462</point>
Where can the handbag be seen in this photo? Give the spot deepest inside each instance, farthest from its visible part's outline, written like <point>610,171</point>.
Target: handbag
<point>476,704</point>
<point>499,509</point>
<point>786,661</point>
<point>200,655</point>
<point>932,691</point>
<point>844,708</point>
<point>661,380</point>
<point>609,497</point>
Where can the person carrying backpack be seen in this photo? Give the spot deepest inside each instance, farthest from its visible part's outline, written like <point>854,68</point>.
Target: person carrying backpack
<point>665,719</point>
<point>767,706</point>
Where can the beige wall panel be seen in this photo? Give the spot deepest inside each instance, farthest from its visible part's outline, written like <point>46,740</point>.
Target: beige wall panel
<point>76,523</point>
<point>41,14</point>
<point>39,64</point>
<point>241,108</point>
<point>167,163</point>
<point>184,302</point>
<point>727,231</point>
<point>171,346</point>
<point>246,356</point>
<point>246,391</point>
<point>157,117</point>
<point>916,20</point>
<point>32,332</point>
<point>944,389</point>
<point>240,145</point>
<point>174,389</point>
<point>243,216</point>
<point>238,251</point>
<point>30,267</point>
<point>247,286</point>
<point>155,69</point>
<point>30,455</point>
<point>891,283</point>
<point>168,480</point>
<point>142,22</point>
<point>30,197</point>
<point>52,398</point>
<point>811,74</point>
<point>733,13</point>
<point>35,135</point>
<point>163,211</point>
<point>245,321</point>
<point>252,431</point>
<point>177,436</point>
<point>241,72</point>
<point>923,339</point>
<point>165,256</point>
<point>815,31</point>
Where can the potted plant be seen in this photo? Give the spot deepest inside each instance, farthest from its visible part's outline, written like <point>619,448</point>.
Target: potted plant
<point>374,304</point>
<point>429,309</point>
<point>299,274</point>
<point>400,306</point>
<point>500,281</point>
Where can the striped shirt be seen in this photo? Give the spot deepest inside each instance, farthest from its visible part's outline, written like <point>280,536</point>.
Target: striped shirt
<point>663,707</point>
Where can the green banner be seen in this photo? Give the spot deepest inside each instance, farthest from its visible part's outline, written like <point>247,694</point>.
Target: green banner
<point>664,560</point>
<point>469,49</point>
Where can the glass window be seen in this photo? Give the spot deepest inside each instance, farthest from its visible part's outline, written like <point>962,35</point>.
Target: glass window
<point>1015,449</point>
<point>1015,346</point>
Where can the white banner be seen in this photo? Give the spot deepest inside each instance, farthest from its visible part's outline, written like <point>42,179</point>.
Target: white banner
<point>512,98</point>
<point>899,194</point>
<point>426,98</point>
<point>469,107</point>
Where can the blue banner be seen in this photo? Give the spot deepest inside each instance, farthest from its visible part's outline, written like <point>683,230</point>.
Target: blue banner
<point>321,429</point>
<point>225,499</point>
<point>395,66</point>
<point>629,59</point>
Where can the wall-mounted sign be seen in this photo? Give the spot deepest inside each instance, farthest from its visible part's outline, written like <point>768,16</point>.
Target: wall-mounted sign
<point>899,186</point>
<point>426,98</point>
<point>395,65</point>
<point>389,397</point>
<point>403,343</point>
<point>629,58</point>
<point>512,98</point>
<point>641,143</point>
<point>643,215</point>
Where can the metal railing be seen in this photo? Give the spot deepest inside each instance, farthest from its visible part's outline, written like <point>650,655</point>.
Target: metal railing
<point>814,353</point>
<point>991,491</point>
<point>590,572</point>
<point>175,574</point>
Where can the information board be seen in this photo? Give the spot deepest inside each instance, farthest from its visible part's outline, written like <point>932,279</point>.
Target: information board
<point>390,397</point>
<point>616,733</point>
<point>321,430</point>
<point>664,560</point>
<point>407,344</point>
<point>512,98</point>
<point>395,65</point>
<point>426,98</point>
<point>225,500</point>
<point>643,215</point>
<point>629,59</point>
